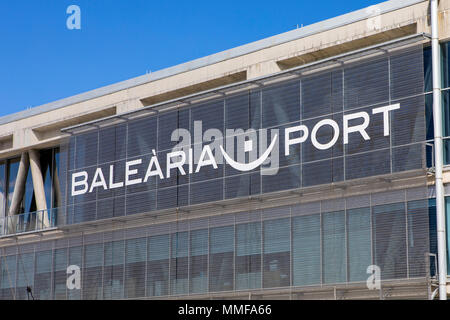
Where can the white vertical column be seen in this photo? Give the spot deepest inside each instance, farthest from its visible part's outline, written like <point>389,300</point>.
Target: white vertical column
<point>438,151</point>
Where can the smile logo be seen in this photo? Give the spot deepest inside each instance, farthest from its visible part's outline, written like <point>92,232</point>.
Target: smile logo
<point>247,148</point>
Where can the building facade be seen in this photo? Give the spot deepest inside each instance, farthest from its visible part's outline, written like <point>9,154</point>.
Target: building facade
<point>296,167</point>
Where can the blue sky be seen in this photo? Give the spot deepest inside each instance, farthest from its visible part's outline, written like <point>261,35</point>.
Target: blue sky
<point>41,60</point>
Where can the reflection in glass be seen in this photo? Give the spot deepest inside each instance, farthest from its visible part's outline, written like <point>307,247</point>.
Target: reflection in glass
<point>158,265</point>
<point>113,270</point>
<point>136,255</point>
<point>25,267</point>
<point>198,264</point>
<point>418,237</point>
<point>43,275</point>
<point>13,168</point>
<point>334,259</point>
<point>60,273</point>
<point>359,243</point>
<point>306,250</point>
<point>179,263</point>
<point>248,256</point>
<point>92,272</point>
<point>221,259</point>
<point>8,277</point>
<point>390,240</point>
<point>276,253</point>
<point>2,188</point>
<point>75,257</point>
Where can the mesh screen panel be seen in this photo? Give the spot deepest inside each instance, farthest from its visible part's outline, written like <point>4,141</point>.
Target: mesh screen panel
<point>320,243</point>
<point>358,87</point>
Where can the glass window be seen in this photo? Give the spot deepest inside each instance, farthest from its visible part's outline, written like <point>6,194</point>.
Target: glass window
<point>75,257</point>
<point>359,243</point>
<point>334,248</point>
<point>60,273</point>
<point>92,272</point>
<point>179,263</point>
<point>3,189</point>
<point>427,69</point>
<point>46,159</point>
<point>113,270</point>
<point>136,255</point>
<point>8,277</point>
<point>447,210</point>
<point>198,269</point>
<point>446,124</point>
<point>390,240</point>
<point>158,265</point>
<point>221,275</point>
<point>13,168</point>
<point>276,260</point>
<point>56,187</point>
<point>29,202</point>
<point>446,63</point>
<point>25,269</point>
<point>248,256</point>
<point>43,275</point>
<point>432,234</point>
<point>418,243</point>
<point>306,250</point>
<point>429,128</point>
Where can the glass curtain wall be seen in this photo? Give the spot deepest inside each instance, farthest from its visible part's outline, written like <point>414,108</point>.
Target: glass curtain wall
<point>49,162</point>
<point>308,248</point>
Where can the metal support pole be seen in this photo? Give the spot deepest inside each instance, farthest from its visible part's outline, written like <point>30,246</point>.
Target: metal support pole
<point>437,114</point>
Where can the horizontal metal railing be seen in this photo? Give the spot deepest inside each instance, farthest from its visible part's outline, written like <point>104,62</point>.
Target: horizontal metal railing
<point>30,221</point>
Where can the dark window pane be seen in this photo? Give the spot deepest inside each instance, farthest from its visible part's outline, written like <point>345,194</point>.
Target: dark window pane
<point>13,167</point>
<point>427,69</point>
